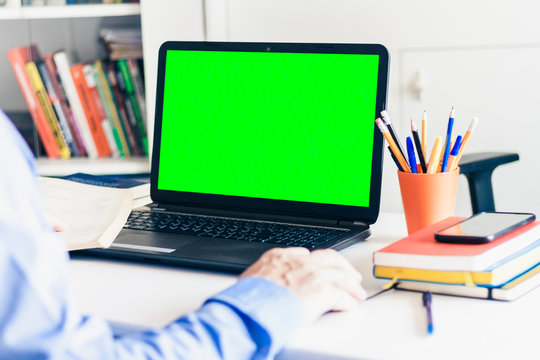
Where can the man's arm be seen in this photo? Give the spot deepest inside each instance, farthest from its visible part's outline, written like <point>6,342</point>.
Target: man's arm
<point>252,319</point>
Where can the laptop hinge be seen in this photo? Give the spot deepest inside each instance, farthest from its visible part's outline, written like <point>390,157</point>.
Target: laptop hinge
<point>252,215</point>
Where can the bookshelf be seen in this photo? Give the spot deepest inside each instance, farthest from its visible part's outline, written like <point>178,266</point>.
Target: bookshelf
<point>71,11</point>
<point>75,29</point>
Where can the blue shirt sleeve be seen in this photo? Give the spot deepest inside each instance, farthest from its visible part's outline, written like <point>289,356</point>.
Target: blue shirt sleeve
<point>250,320</point>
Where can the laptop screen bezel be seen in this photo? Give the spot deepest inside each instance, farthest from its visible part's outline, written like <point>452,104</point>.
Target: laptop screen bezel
<point>366,215</point>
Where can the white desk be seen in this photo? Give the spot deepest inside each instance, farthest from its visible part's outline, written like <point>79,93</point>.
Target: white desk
<point>389,326</point>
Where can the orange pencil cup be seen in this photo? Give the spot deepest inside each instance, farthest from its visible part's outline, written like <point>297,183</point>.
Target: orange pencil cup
<point>427,198</point>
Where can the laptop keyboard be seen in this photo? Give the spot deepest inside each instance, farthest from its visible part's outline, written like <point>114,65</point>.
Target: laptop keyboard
<point>234,229</point>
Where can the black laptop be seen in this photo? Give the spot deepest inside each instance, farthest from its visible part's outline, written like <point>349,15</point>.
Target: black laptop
<point>259,145</point>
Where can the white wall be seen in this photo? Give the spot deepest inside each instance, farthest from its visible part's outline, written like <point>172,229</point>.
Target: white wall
<point>479,56</point>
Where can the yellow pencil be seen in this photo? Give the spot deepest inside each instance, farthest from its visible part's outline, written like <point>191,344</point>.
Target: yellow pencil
<point>393,146</point>
<point>424,133</point>
<point>472,126</point>
<point>435,156</point>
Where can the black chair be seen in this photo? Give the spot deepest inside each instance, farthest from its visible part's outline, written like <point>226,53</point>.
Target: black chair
<point>478,168</point>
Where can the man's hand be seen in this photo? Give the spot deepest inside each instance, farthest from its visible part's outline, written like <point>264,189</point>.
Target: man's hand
<point>322,280</point>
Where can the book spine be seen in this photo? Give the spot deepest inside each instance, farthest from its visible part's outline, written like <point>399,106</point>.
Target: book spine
<point>18,58</point>
<point>97,106</point>
<point>118,99</point>
<point>57,108</point>
<point>138,87</point>
<point>64,104</point>
<point>62,64</point>
<point>110,109</point>
<point>94,122</point>
<point>45,104</point>
<point>133,104</point>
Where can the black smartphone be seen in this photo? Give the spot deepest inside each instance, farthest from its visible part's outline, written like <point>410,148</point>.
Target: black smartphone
<point>483,227</point>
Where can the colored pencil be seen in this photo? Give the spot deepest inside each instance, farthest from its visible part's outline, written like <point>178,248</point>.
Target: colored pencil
<point>410,152</point>
<point>395,159</point>
<point>424,134</point>
<point>419,147</point>
<point>453,153</point>
<point>392,131</point>
<point>465,141</point>
<point>392,144</point>
<point>448,141</point>
<point>435,156</point>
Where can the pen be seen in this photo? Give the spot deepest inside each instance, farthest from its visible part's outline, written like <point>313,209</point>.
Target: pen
<point>424,134</point>
<point>435,156</point>
<point>465,140</point>
<point>426,300</point>
<point>419,147</point>
<point>395,159</point>
<point>392,144</point>
<point>453,153</point>
<point>410,152</point>
<point>390,126</point>
<point>448,141</point>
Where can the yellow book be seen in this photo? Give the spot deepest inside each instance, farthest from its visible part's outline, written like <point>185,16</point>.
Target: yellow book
<point>497,274</point>
<point>508,292</point>
<point>45,103</point>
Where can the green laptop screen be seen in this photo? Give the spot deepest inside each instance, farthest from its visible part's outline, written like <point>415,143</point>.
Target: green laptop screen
<point>285,126</point>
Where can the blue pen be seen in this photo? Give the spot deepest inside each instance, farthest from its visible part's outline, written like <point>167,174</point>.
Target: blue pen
<point>453,154</point>
<point>444,165</point>
<point>410,152</point>
<point>426,300</point>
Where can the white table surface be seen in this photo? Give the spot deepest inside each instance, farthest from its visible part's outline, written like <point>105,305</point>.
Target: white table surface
<point>389,326</point>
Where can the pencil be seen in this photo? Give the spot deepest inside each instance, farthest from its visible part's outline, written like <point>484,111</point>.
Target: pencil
<point>392,131</point>
<point>392,144</point>
<point>419,148</point>
<point>395,159</point>
<point>412,158</point>
<point>424,134</point>
<point>444,165</point>
<point>435,156</point>
<point>453,153</point>
<point>464,142</point>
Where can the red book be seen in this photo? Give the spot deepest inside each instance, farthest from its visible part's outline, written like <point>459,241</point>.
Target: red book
<point>64,104</point>
<point>421,251</point>
<point>18,57</point>
<point>92,115</point>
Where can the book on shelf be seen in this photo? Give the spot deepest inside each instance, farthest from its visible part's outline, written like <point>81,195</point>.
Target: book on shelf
<point>122,42</point>
<point>63,65</point>
<point>90,111</point>
<point>91,216</point>
<point>110,109</point>
<point>138,189</point>
<point>419,262</point>
<point>59,93</point>
<point>55,108</point>
<point>94,109</point>
<point>18,58</point>
<point>45,103</point>
<point>132,103</point>
<point>127,121</point>
<point>98,107</point>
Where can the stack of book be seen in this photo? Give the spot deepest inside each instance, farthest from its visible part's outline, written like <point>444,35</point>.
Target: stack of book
<point>88,109</point>
<point>122,43</point>
<point>502,269</point>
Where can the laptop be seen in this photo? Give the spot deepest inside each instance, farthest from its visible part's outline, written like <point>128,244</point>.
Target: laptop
<point>256,146</point>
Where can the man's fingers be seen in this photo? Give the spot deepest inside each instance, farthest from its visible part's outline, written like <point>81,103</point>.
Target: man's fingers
<point>333,258</point>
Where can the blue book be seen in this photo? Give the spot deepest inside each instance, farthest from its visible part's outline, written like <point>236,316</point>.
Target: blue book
<point>139,189</point>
